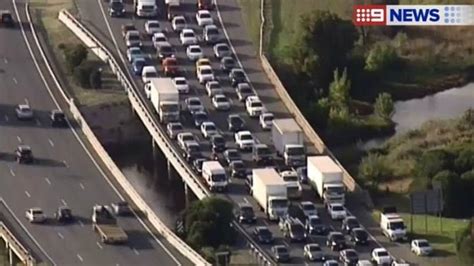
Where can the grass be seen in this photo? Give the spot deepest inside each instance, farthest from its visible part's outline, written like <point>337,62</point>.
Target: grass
<point>251,18</point>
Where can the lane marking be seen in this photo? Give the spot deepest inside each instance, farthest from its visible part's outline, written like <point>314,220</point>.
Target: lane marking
<point>38,122</point>
<point>80,258</point>
<point>65,164</point>
<point>60,235</point>
<point>51,142</point>
<point>15,81</point>
<point>11,172</point>
<point>64,202</point>
<point>99,245</point>
<point>47,181</point>
<point>81,223</point>
<point>27,194</point>
<point>6,118</point>
<point>82,186</point>
<point>136,251</point>
<point>5,60</point>
<point>26,101</point>
<point>246,200</point>
<point>18,138</point>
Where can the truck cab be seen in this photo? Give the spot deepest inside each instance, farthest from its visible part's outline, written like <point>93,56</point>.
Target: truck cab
<point>334,193</point>
<point>294,155</point>
<point>277,207</point>
<point>146,8</point>
<point>293,186</point>
<point>261,154</point>
<point>214,175</point>
<point>392,224</point>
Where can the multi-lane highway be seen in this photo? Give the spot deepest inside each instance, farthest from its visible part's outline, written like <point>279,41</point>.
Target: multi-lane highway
<point>64,173</point>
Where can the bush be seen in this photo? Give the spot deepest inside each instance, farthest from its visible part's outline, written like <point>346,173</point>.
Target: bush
<point>95,79</point>
<point>82,73</point>
<point>374,168</point>
<point>381,57</point>
<point>75,55</point>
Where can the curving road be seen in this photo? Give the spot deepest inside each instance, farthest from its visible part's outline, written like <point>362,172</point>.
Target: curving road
<point>64,172</point>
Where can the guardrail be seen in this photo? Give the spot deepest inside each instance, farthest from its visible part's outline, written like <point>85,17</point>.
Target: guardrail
<point>13,244</point>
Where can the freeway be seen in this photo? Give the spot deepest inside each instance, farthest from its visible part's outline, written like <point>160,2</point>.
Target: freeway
<point>64,172</point>
<point>108,31</point>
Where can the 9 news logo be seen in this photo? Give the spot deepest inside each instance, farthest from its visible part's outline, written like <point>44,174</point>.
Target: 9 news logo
<point>369,15</point>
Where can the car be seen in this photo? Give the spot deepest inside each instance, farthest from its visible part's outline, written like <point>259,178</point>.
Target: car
<point>308,208</point>
<point>126,28</point>
<point>205,4</point>
<point>152,27</point>
<point>245,213</point>
<point>63,215</point>
<point>137,66</point>
<point>364,263</point>
<point>178,23</point>
<point>227,64</point>
<point>134,53</point>
<point>192,150</point>
<point>194,52</point>
<point>235,123</point>
<point>336,241</point>
<point>159,38</point>
<point>205,74</point>
<point>294,229</point>
<point>349,223</point>
<point>236,76</point>
<point>211,34</point>
<point>302,172</point>
<point>148,73</point>
<point>266,121</point>
<point>35,215</point>
<point>261,154</point>
<point>132,38</point>
<point>243,91</point>
<point>331,263</point>
<point>193,104</point>
<point>222,50</point>
<point>221,102</point>
<point>281,253</point>
<point>380,256</point>
<point>231,155</point>
<point>313,252</point>
<point>349,257</point>
<point>263,235</point>
<point>116,8</point>
<point>24,112</point>
<point>121,208</point>
<point>23,154</point>
<point>199,117</point>
<point>237,169</point>
<point>173,129</point>
<point>6,18</point>
<point>254,106</point>
<point>58,118</point>
<point>217,143</point>
<point>421,247</point>
<point>197,164</point>
<point>244,140</point>
<point>203,61</point>
<point>359,236</point>
<point>170,66</point>
<point>204,18</point>
<point>208,129</point>
<point>213,88</point>
<point>336,211</point>
<point>184,137</point>
<point>181,85</point>
<point>187,37</point>
<point>164,50</point>
<point>314,225</point>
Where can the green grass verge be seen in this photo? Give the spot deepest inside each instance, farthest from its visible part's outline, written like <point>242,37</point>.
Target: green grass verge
<point>251,17</point>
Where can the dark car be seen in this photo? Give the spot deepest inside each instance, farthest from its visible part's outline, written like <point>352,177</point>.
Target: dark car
<point>137,66</point>
<point>237,76</point>
<point>164,50</point>
<point>199,117</point>
<point>6,18</point>
<point>294,230</point>
<point>217,143</point>
<point>280,253</point>
<point>116,8</point>
<point>245,213</point>
<point>261,154</point>
<point>359,236</point>
<point>336,241</point>
<point>263,235</point>
<point>237,169</point>
<point>24,154</point>
<point>197,164</point>
<point>349,257</point>
<point>227,63</point>
<point>63,215</point>
<point>232,155</point>
<point>349,223</point>
<point>302,174</point>
<point>314,226</point>
<point>58,119</point>
<point>121,208</point>
<point>192,150</point>
<point>235,123</point>
<point>243,91</point>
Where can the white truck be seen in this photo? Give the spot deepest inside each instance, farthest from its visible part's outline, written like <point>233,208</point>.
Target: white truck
<point>145,8</point>
<point>172,8</point>
<point>326,177</point>
<point>270,191</point>
<point>215,175</point>
<point>293,186</point>
<point>392,224</point>
<point>165,99</point>
<point>288,139</point>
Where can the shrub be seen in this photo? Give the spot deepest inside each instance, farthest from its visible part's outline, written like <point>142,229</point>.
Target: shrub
<point>82,73</point>
<point>75,55</point>
<point>95,79</point>
<point>381,57</point>
<point>374,169</point>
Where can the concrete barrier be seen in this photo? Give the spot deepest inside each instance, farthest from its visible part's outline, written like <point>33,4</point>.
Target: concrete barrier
<point>14,245</point>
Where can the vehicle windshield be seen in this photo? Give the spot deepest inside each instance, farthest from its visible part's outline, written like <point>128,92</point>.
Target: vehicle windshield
<point>361,234</point>
<point>397,225</point>
<point>309,207</point>
<point>188,34</point>
<point>25,151</point>
<point>233,154</point>
<point>247,211</point>
<point>351,254</point>
<point>214,85</point>
<point>210,127</point>
<point>314,248</point>
<point>180,21</point>
<point>290,178</point>
<point>59,116</point>
<point>176,127</point>
<point>205,15</point>
<point>135,51</point>
<point>166,49</point>
<point>245,90</point>
<point>194,102</point>
<point>337,208</point>
<point>200,116</point>
<point>238,166</point>
<point>212,31</point>
<point>37,212</point>
<point>151,74</point>
<point>265,232</point>
<point>297,229</point>
<point>335,190</point>
<point>187,138</point>
<point>423,244</point>
<point>338,237</point>
<point>153,25</point>
<point>218,140</point>
<point>382,254</point>
<point>223,48</point>
<point>160,39</point>
<point>353,222</point>
<point>206,71</point>
<point>296,151</point>
<point>236,121</point>
<point>169,108</point>
<point>218,178</point>
<point>239,74</point>
<point>133,37</point>
<point>229,61</point>
<point>181,82</point>
<point>315,221</point>
<point>116,5</point>
<point>194,148</point>
<point>268,118</point>
<point>279,203</point>
<point>246,137</point>
<point>148,7</point>
<point>281,250</point>
<point>263,151</point>
<point>139,63</point>
<point>171,63</point>
<point>221,99</point>
<point>195,50</point>
<point>256,104</point>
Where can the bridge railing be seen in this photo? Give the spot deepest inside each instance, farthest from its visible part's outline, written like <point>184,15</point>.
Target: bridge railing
<point>12,243</point>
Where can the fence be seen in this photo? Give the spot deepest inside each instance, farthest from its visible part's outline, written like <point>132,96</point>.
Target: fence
<point>13,244</point>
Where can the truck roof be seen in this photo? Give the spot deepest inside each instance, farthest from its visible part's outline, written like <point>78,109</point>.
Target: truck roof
<point>212,165</point>
<point>163,84</point>
<point>286,125</point>
<point>324,164</point>
<point>269,176</point>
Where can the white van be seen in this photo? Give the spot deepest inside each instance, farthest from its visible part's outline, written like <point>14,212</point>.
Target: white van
<point>214,175</point>
<point>146,8</point>
<point>149,72</point>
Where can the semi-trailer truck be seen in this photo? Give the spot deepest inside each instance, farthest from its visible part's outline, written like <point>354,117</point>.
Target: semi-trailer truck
<point>288,139</point>
<point>270,192</point>
<point>165,99</point>
<point>326,177</point>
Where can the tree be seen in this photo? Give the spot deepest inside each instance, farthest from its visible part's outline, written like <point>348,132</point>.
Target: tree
<point>75,55</point>
<point>383,106</point>
<point>453,193</point>
<point>374,169</point>
<point>339,90</point>
<point>381,57</point>
<point>465,160</point>
<point>432,162</point>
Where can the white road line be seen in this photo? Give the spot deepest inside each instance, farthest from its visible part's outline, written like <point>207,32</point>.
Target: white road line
<point>27,194</point>
<point>80,258</point>
<point>81,223</point>
<point>15,81</point>
<point>136,251</point>
<point>82,186</point>
<point>26,101</point>
<point>47,181</point>
<point>6,118</point>
<point>60,235</point>
<point>38,122</point>
<point>99,245</point>
<point>65,164</point>
<point>11,172</point>
<point>51,142</point>
<point>5,60</point>
<point>18,138</point>
<point>246,200</point>
<point>64,202</point>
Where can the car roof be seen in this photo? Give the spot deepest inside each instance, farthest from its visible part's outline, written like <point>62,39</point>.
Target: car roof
<point>379,250</point>
<point>152,21</point>
<point>24,147</point>
<point>208,123</point>
<point>261,228</point>
<point>244,204</point>
<point>244,132</point>
<point>24,105</point>
<point>187,30</point>
<point>306,203</point>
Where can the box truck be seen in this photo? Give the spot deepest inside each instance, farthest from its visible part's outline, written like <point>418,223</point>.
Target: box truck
<point>172,7</point>
<point>165,98</point>
<point>145,8</point>
<point>214,175</point>
<point>270,192</point>
<point>392,224</point>
<point>325,176</point>
<point>288,139</point>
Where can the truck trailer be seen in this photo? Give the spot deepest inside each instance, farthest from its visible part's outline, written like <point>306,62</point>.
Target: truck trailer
<point>326,177</point>
<point>288,139</point>
<point>165,99</point>
<point>270,191</point>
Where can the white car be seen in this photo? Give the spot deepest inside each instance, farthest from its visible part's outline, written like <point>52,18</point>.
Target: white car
<point>188,37</point>
<point>193,104</point>
<point>213,88</point>
<point>313,252</point>
<point>221,102</point>
<point>308,208</point>
<point>254,106</point>
<point>134,52</point>
<point>194,52</point>
<point>184,137</point>
<point>149,72</point>
<point>179,23</point>
<point>337,211</point>
<point>421,247</point>
<point>221,50</point>
<point>208,129</point>
<point>364,263</point>
<point>35,215</point>
<point>24,112</point>
<point>244,140</point>
<point>132,38</point>
<point>243,91</point>
<point>158,39</point>
<point>181,84</point>
<point>205,74</point>
<point>152,27</point>
<point>266,121</point>
<point>381,256</point>
<point>203,18</point>
<point>173,129</point>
